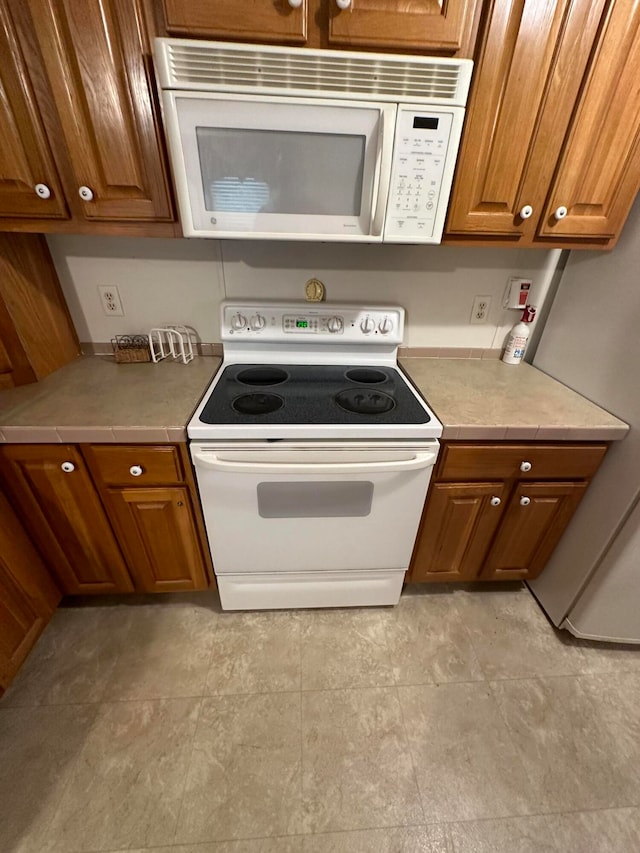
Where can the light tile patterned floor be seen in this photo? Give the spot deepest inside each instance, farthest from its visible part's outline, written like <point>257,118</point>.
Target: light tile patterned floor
<point>457,722</point>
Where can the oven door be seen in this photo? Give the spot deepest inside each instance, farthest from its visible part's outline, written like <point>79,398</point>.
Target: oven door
<point>280,167</point>
<point>312,509</point>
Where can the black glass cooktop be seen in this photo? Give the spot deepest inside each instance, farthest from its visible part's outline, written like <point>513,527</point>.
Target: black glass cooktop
<point>314,394</point>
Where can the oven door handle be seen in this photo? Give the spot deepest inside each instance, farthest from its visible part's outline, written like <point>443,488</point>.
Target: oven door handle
<point>420,460</point>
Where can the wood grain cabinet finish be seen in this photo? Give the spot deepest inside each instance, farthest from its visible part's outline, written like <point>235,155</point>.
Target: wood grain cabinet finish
<point>28,594</point>
<point>81,147</point>
<point>151,500</point>
<point>59,506</point>
<point>259,20</point>
<point>433,26</point>
<point>29,181</point>
<point>419,25</point>
<point>489,516</point>
<point>552,123</point>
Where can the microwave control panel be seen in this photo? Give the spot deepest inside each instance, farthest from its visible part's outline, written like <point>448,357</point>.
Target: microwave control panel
<point>426,144</point>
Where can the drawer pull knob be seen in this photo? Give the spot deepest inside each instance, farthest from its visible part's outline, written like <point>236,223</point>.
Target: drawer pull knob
<point>525,466</point>
<point>68,467</point>
<point>295,4</point>
<point>85,193</point>
<point>180,503</point>
<point>343,4</point>
<point>42,190</point>
<point>136,470</point>
<point>560,213</point>
<point>526,212</point>
<point>495,501</point>
<point>525,501</point>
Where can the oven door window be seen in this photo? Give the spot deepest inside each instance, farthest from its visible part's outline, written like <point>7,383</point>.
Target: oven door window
<point>315,500</point>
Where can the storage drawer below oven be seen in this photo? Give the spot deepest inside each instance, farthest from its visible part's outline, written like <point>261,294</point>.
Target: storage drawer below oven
<point>310,589</point>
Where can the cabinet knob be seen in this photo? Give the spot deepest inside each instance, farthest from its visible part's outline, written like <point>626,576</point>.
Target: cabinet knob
<point>135,470</point>
<point>343,4</point>
<point>68,467</point>
<point>295,4</point>
<point>525,466</point>
<point>42,190</point>
<point>495,501</point>
<point>526,212</point>
<point>85,193</point>
<point>560,212</point>
<point>180,503</point>
<point>525,501</point>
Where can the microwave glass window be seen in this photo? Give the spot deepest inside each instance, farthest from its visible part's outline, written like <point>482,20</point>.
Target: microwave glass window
<point>274,171</point>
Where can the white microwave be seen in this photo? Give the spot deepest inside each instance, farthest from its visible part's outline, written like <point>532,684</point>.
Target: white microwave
<point>297,144</point>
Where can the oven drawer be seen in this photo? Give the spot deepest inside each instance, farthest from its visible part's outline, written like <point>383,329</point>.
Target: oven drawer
<point>464,462</point>
<point>126,465</point>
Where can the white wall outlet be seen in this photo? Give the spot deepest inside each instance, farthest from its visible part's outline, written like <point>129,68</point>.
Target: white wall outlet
<point>110,300</point>
<point>480,310</point>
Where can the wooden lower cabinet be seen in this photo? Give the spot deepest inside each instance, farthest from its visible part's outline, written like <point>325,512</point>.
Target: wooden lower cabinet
<point>157,533</point>
<point>103,537</point>
<point>536,518</point>
<point>60,508</point>
<point>506,525</point>
<point>28,594</point>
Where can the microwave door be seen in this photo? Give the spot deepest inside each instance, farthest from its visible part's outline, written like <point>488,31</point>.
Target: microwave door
<point>280,167</point>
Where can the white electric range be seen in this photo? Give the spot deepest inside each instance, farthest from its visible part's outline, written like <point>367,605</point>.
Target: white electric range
<point>313,455</point>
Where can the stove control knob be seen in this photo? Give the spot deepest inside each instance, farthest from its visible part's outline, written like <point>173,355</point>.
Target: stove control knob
<point>385,325</point>
<point>238,322</point>
<point>334,324</point>
<point>367,325</point>
<point>257,322</point>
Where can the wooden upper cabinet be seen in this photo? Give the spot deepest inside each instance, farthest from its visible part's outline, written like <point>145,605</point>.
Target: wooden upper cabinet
<point>599,170</point>
<point>536,518</point>
<point>93,51</point>
<point>526,81</point>
<point>60,507</point>
<point>29,182</point>
<point>252,20</point>
<point>437,26</point>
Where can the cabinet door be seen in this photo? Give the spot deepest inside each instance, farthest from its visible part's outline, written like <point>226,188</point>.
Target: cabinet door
<point>526,81</point>
<point>94,56</point>
<point>157,531</point>
<point>28,595</point>
<point>259,20</point>
<point>535,520</point>
<point>26,161</point>
<point>599,172</point>
<point>459,522</point>
<point>434,26</point>
<point>65,518</point>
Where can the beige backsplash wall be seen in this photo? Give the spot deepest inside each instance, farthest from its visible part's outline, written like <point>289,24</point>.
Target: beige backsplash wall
<point>183,281</point>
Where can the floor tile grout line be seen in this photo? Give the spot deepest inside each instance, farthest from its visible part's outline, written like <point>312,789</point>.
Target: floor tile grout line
<point>410,751</point>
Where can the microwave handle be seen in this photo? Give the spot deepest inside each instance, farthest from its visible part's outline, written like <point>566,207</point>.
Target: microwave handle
<point>383,164</point>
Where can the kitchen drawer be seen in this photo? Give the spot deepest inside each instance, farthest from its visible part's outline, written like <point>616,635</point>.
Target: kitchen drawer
<point>467,461</point>
<point>113,464</point>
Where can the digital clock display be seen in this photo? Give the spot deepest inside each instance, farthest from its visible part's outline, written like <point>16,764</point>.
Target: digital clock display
<point>302,324</point>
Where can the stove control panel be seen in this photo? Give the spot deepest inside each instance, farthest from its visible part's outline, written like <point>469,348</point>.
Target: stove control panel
<point>290,322</point>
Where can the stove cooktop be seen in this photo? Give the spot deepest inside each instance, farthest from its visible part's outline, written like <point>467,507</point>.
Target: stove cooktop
<point>284,394</point>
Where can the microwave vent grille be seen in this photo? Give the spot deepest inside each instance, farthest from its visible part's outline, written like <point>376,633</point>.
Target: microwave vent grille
<point>207,66</point>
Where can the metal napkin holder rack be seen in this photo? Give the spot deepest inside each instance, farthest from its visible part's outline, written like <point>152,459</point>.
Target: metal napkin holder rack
<point>170,340</point>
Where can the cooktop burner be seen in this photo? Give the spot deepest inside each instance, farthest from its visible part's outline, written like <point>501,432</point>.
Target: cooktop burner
<point>311,394</point>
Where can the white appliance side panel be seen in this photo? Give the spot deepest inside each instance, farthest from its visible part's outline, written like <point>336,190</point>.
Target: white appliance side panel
<point>310,589</point>
<point>591,343</point>
<point>608,609</point>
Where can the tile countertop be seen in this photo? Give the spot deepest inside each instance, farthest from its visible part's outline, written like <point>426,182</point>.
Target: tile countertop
<point>487,399</point>
<point>94,399</point>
